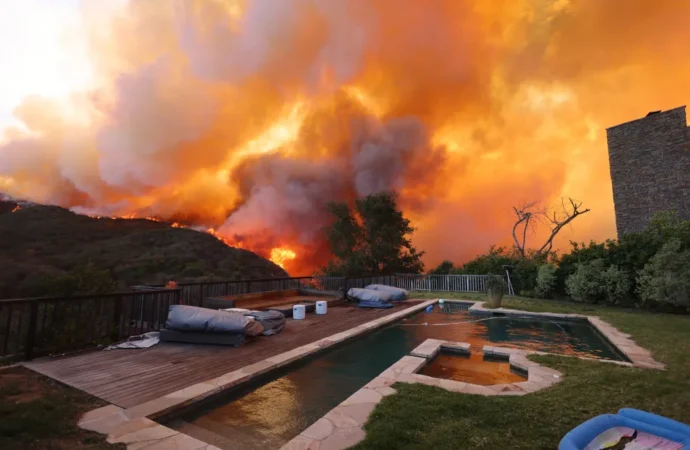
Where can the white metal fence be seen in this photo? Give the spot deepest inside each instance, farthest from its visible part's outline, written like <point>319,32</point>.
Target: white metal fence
<point>445,283</point>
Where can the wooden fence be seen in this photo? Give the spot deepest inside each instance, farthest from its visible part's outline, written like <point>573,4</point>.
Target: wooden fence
<point>36,326</point>
<point>31,327</point>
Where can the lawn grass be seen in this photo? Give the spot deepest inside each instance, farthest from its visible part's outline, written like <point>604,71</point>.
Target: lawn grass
<point>424,417</point>
<point>39,413</point>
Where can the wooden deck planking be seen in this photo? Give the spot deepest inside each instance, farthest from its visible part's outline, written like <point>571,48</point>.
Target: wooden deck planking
<point>129,377</point>
<point>264,303</point>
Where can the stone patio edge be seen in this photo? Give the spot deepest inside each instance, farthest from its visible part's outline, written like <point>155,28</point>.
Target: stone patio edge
<point>134,426</point>
<point>343,426</point>
<point>636,354</point>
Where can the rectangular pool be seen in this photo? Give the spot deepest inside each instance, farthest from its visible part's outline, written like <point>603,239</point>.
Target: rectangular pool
<point>271,410</point>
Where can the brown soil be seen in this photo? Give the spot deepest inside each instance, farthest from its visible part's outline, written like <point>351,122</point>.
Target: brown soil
<point>37,412</point>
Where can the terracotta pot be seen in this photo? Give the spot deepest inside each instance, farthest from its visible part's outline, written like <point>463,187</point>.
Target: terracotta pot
<point>495,298</point>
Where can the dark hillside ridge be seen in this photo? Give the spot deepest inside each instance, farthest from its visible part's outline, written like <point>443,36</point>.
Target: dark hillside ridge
<point>39,241</point>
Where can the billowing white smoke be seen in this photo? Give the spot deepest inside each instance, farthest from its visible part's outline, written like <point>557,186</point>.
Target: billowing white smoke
<point>185,87</point>
<point>288,197</point>
<point>270,32</point>
<point>386,156</point>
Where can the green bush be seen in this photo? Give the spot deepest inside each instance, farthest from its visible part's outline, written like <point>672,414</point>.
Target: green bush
<point>495,283</point>
<point>444,268</point>
<point>546,281</point>
<point>618,286</point>
<point>582,254</point>
<point>523,271</point>
<point>586,284</point>
<point>665,279</point>
<point>86,279</point>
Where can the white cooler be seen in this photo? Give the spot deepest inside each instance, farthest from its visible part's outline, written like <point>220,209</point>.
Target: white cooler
<point>321,307</point>
<point>298,312</point>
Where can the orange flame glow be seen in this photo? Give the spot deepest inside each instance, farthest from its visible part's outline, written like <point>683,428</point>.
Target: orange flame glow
<point>246,117</point>
<point>281,255</point>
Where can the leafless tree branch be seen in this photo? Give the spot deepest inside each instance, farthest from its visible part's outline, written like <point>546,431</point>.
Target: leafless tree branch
<point>528,212</point>
<point>524,216</point>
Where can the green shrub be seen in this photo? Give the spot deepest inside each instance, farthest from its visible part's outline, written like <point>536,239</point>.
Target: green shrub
<point>194,269</point>
<point>582,254</point>
<point>618,286</point>
<point>586,284</point>
<point>546,281</point>
<point>525,272</point>
<point>665,279</point>
<point>495,283</point>
<point>444,268</point>
<point>86,279</point>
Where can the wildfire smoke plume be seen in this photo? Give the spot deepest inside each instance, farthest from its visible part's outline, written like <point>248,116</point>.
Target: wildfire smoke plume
<point>247,117</point>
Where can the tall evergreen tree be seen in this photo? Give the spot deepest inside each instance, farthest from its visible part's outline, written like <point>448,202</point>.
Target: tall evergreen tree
<point>371,238</point>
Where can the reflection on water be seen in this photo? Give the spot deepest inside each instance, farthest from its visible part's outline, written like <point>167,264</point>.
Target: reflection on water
<point>566,338</point>
<point>472,368</point>
<point>275,412</point>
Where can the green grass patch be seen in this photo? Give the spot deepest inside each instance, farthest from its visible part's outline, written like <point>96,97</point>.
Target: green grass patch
<point>423,417</point>
<point>39,413</point>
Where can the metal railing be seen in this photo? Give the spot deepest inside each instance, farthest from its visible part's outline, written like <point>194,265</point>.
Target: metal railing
<point>35,326</point>
<point>31,327</point>
<point>443,283</point>
<point>195,293</point>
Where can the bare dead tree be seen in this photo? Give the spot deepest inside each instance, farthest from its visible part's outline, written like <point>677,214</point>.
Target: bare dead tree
<point>529,213</point>
<point>524,214</point>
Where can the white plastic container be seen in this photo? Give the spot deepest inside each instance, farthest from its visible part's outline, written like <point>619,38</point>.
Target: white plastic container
<point>298,312</point>
<point>321,307</point>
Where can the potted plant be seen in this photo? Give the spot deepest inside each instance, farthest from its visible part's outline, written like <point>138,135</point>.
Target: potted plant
<point>495,287</point>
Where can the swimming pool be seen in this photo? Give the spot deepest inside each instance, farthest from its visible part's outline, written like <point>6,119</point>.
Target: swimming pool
<point>271,410</point>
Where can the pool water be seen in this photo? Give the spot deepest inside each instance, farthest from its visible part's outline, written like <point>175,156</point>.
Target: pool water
<point>273,410</point>
<point>473,368</point>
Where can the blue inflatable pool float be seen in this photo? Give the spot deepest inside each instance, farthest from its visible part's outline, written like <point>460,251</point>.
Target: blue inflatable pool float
<point>644,423</point>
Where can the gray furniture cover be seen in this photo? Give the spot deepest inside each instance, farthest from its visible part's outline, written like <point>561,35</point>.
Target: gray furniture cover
<point>397,294</point>
<point>271,321</point>
<point>193,337</point>
<point>369,295</point>
<point>191,318</point>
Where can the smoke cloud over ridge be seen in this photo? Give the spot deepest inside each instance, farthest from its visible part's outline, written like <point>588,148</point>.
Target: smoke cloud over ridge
<point>249,116</point>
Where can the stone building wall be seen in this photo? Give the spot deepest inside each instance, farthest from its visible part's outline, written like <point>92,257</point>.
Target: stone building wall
<point>650,168</point>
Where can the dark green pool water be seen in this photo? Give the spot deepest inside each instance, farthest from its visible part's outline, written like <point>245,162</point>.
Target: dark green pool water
<point>276,409</point>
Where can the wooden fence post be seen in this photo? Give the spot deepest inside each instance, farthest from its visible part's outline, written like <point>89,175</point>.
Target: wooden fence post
<point>31,334</point>
<point>117,318</point>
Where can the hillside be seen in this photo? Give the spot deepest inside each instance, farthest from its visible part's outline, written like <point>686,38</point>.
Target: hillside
<point>43,241</point>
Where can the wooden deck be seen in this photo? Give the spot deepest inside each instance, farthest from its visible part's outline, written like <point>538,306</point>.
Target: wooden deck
<point>129,377</point>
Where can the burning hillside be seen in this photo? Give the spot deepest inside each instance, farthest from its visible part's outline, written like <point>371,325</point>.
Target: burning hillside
<point>248,116</point>
<point>40,242</point>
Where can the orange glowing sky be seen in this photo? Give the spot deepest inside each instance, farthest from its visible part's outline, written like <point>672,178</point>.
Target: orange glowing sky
<point>249,115</point>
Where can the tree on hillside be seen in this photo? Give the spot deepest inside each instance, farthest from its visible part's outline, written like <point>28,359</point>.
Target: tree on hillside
<point>446,267</point>
<point>371,238</point>
<point>529,214</point>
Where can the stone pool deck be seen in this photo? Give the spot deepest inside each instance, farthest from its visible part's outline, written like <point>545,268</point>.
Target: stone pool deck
<point>135,427</point>
<point>342,427</point>
<point>127,378</point>
<point>638,356</point>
